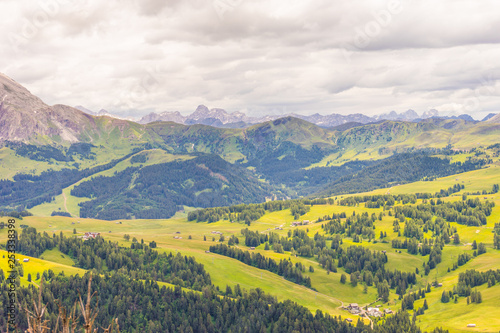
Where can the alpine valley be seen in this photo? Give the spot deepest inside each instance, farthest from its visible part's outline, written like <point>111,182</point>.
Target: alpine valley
<point>293,223</point>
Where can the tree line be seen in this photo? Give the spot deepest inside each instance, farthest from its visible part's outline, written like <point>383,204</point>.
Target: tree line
<point>204,181</point>
<point>284,268</point>
<point>139,262</point>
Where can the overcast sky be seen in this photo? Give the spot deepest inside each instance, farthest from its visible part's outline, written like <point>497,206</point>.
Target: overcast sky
<point>132,57</point>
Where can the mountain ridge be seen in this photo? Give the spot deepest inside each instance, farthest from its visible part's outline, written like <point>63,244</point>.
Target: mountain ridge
<point>221,118</point>
<point>25,117</point>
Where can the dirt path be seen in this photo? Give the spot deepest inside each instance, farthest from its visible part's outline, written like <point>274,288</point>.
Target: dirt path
<point>65,207</point>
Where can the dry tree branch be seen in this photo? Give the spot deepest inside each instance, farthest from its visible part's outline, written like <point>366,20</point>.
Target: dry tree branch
<point>88,314</point>
<point>36,324</point>
<point>67,320</point>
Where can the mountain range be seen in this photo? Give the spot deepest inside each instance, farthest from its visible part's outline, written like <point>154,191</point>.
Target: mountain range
<point>220,118</point>
<point>18,107</point>
<point>25,117</point>
<point>286,157</point>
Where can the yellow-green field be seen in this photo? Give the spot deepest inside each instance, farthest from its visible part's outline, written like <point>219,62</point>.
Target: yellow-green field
<point>330,294</point>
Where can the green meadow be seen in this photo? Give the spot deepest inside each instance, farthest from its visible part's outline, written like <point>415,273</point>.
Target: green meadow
<point>328,294</point>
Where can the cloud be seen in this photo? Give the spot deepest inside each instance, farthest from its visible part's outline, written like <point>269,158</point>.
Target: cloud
<point>135,56</point>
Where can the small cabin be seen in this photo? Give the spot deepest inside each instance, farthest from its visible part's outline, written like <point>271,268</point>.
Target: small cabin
<point>26,260</point>
<point>471,325</point>
<point>353,306</point>
<point>252,248</point>
<point>207,251</point>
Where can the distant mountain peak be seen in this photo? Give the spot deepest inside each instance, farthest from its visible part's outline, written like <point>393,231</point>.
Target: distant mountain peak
<point>103,112</point>
<point>495,119</point>
<point>84,109</point>
<point>489,116</point>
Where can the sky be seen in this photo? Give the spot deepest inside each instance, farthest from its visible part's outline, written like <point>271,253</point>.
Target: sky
<point>133,57</point>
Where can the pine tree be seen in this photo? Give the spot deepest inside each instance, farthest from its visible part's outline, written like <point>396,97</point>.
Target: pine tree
<point>481,248</point>
<point>354,279</point>
<point>445,298</point>
<point>496,241</point>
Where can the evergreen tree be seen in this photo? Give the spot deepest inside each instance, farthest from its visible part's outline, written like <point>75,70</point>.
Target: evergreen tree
<point>354,279</point>
<point>445,297</point>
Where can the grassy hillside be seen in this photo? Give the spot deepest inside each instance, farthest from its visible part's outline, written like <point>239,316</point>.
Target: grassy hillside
<point>298,145</point>
<point>330,292</point>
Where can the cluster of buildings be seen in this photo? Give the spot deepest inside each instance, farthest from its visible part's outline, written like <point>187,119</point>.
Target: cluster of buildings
<point>297,223</point>
<point>374,312</point>
<point>354,308</point>
<point>89,235</point>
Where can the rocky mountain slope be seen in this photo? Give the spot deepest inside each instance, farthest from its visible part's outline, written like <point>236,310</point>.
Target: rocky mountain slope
<point>24,116</point>
<point>495,119</point>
